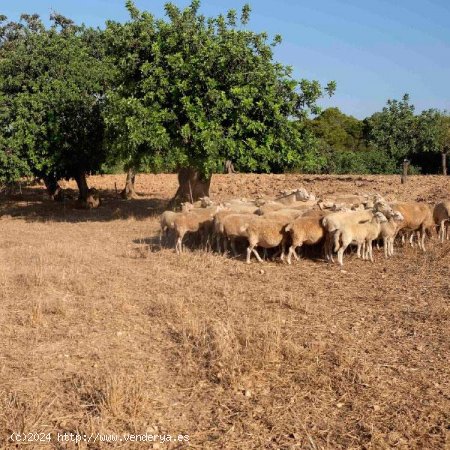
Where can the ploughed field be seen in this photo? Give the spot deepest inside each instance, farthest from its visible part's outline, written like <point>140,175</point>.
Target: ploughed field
<point>101,331</point>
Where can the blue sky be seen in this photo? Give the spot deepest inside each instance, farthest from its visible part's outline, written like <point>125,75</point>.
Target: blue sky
<point>375,50</point>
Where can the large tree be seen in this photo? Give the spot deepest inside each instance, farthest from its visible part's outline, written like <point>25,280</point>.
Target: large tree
<point>394,129</point>
<point>434,134</point>
<point>52,83</point>
<point>196,92</point>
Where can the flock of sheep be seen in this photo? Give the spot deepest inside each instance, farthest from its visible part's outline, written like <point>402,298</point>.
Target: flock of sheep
<point>298,218</point>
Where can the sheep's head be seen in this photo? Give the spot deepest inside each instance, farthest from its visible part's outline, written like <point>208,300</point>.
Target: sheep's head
<point>302,195</point>
<point>398,216</point>
<point>186,207</point>
<point>205,202</point>
<point>384,208</point>
<point>380,217</point>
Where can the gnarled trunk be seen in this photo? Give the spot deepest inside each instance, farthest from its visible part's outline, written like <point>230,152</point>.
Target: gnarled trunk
<point>192,186</point>
<point>87,198</point>
<point>229,167</point>
<point>54,190</point>
<point>444,163</point>
<point>128,191</point>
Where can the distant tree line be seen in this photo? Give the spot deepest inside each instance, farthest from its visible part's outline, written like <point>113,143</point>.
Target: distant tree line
<point>187,94</point>
<point>379,143</point>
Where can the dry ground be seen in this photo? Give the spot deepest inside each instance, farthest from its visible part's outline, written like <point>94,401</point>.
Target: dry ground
<point>101,331</point>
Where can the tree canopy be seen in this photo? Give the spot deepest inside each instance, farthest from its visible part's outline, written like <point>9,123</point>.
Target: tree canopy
<point>197,92</point>
<point>52,82</point>
<point>181,92</point>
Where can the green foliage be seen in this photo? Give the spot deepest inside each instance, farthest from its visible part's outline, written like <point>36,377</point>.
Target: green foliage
<point>339,131</point>
<point>394,129</point>
<point>433,131</point>
<point>195,92</point>
<point>52,84</point>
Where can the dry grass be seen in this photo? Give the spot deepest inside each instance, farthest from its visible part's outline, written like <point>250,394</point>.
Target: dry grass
<point>103,332</point>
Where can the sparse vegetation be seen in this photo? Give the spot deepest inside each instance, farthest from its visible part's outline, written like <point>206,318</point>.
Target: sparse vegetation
<point>101,331</point>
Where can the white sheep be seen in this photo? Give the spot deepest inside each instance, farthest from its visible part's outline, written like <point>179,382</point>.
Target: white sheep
<point>361,234</point>
<point>388,231</point>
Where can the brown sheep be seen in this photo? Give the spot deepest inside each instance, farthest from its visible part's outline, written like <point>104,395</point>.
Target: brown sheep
<point>441,216</point>
<point>304,230</point>
<point>264,233</point>
<point>416,217</point>
<point>197,220</point>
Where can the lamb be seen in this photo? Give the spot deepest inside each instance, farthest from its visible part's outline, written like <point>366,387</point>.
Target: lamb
<point>416,217</point>
<point>335,221</point>
<point>264,233</point>
<point>304,230</point>
<point>441,216</point>
<point>388,232</point>
<point>360,233</point>
<point>193,221</point>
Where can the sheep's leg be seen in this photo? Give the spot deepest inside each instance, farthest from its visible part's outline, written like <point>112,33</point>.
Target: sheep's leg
<point>369,250</point>
<point>283,249</point>
<point>340,256</point>
<point>233,246</point>
<point>291,252</point>
<point>336,239</point>
<point>257,254</point>
<point>358,251</point>
<point>249,254</point>
<point>225,245</point>
<point>250,249</point>
<point>442,231</point>
<point>179,245</point>
<point>422,238</point>
<point>218,246</point>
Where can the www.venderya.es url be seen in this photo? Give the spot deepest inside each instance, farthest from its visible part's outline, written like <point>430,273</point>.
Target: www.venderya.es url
<point>97,437</point>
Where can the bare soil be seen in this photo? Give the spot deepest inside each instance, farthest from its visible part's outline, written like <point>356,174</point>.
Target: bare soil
<point>101,331</point>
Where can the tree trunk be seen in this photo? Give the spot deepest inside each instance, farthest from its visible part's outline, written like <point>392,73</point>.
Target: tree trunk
<point>128,191</point>
<point>229,167</point>
<point>54,190</point>
<point>87,198</point>
<point>83,189</point>
<point>444,163</point>
<point>192,186</point>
